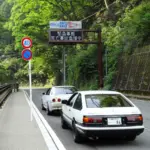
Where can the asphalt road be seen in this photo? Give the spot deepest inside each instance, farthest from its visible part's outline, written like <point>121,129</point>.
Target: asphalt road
<point>142,142</point>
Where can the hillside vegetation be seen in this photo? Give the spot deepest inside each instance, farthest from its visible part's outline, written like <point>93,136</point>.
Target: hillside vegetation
<point>124,25</point>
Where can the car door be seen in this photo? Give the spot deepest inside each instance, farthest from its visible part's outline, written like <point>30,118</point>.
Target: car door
<point>76,109</point>
<point>45,97</point>
<point>67,109</point>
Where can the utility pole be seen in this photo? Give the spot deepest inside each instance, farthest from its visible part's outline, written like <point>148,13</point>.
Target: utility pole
<point>100,61</point>
<point>64,66</point>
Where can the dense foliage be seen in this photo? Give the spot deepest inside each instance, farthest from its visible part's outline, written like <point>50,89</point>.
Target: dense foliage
<point>131,31</point>
<point>124,23</point>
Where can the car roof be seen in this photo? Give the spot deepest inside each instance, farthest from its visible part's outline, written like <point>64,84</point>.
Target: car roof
<point>98,92</point>
<point>64,86</point>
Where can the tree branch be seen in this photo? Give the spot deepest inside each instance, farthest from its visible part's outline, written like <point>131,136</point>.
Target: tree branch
<point>73,10</point>
<point>106,4</point>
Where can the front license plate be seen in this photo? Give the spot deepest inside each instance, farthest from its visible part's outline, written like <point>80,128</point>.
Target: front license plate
<point>114,121</point>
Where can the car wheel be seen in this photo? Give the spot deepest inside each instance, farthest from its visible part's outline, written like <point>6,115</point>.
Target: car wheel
<point>43,107</point>
<point>48,111</point>
<point>76,135</point>
<point>131,138</point>
<point>63,122</point>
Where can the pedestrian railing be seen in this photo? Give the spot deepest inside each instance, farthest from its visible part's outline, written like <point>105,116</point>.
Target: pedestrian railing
<point>5,90</point>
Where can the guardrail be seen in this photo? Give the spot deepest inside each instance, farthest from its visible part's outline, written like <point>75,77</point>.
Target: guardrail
<point>5,90</point>
<point>135,93</point>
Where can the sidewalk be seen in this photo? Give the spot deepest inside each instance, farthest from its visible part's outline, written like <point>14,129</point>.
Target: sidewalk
<point>17,132</point>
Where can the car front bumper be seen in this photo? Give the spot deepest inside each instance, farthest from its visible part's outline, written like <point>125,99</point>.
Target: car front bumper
<point>110,131</point>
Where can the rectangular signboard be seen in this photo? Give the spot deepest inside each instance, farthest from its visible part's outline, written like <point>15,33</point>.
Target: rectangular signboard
<point>65,25</point>
<point>66,36</point>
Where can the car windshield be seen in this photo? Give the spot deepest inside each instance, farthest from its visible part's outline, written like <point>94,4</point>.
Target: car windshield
<point>65,90</point>
<point>105,100</point>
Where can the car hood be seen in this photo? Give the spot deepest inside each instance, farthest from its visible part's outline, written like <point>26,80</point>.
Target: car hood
<point>112,111</point>
<point>63,96</point>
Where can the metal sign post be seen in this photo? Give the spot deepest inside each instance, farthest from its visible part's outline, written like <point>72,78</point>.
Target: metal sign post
<point>64,65</point>
<point>27,55</point>
<point>30,84</point>
<point>67,36</point>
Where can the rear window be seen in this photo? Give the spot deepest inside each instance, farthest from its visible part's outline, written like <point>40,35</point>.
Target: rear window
<point>103,100</point>
<point>65,90</point>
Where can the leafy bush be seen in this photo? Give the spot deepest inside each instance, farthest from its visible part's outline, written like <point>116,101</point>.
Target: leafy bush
<point>82,68</point>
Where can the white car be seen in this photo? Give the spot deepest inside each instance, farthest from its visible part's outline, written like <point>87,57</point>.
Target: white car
<point>101,114</point>
<point>51,100</point>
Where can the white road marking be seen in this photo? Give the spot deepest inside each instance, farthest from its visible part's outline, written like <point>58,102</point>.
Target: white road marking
<point>47,138</point>
<point>49,135</point>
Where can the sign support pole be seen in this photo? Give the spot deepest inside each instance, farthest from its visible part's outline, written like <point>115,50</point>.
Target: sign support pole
<point>100,60</point>
<point>27,55</point>
<point>62,37</point>
<point>64,67</point>
<point>30,84</point>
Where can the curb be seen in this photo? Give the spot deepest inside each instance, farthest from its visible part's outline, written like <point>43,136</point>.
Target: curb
<point>52,135</point>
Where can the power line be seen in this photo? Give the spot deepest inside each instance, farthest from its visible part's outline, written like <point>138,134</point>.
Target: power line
<point>89,16</point>
<point>96,3</point>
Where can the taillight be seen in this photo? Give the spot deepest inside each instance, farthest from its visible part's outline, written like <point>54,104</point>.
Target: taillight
<point>99,120</point>
<point>85,119</point>
<point>140,118</point>
<point>135,118</point>
<point>59,100</point>
<point>53,100</point>
<point>91,120</point>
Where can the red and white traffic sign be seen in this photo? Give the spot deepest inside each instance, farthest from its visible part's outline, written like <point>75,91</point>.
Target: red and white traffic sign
<point>27,55</point>
<point>26,42</point>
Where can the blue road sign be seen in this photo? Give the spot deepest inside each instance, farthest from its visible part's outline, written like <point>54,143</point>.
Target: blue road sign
<point>26,54</point>
<point>65,24</point>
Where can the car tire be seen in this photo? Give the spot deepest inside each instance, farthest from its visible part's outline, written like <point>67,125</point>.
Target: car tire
<point>48,111</point>
<point>43,108</point>
<point>77,137</point>
<point>131,138</point>
<point>63,122</point>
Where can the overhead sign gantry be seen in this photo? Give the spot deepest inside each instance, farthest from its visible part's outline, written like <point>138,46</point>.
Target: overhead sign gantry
<point>71,32</point>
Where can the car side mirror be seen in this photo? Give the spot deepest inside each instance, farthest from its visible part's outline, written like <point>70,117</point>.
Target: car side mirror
<point>43,93</point>
<point>64,101</point>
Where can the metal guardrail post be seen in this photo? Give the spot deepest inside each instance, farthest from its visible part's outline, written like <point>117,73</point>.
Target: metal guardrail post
<point>4,92</point>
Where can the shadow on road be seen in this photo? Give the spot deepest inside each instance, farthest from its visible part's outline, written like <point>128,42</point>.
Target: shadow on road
<point>107,142</point>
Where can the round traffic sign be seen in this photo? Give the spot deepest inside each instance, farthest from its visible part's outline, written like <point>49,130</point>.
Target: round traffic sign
<point>26,42</point>
<point>26,54</point>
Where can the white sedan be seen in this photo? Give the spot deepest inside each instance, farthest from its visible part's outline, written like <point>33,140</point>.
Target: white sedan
<point>101,114</point>
<point>51,100</point>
